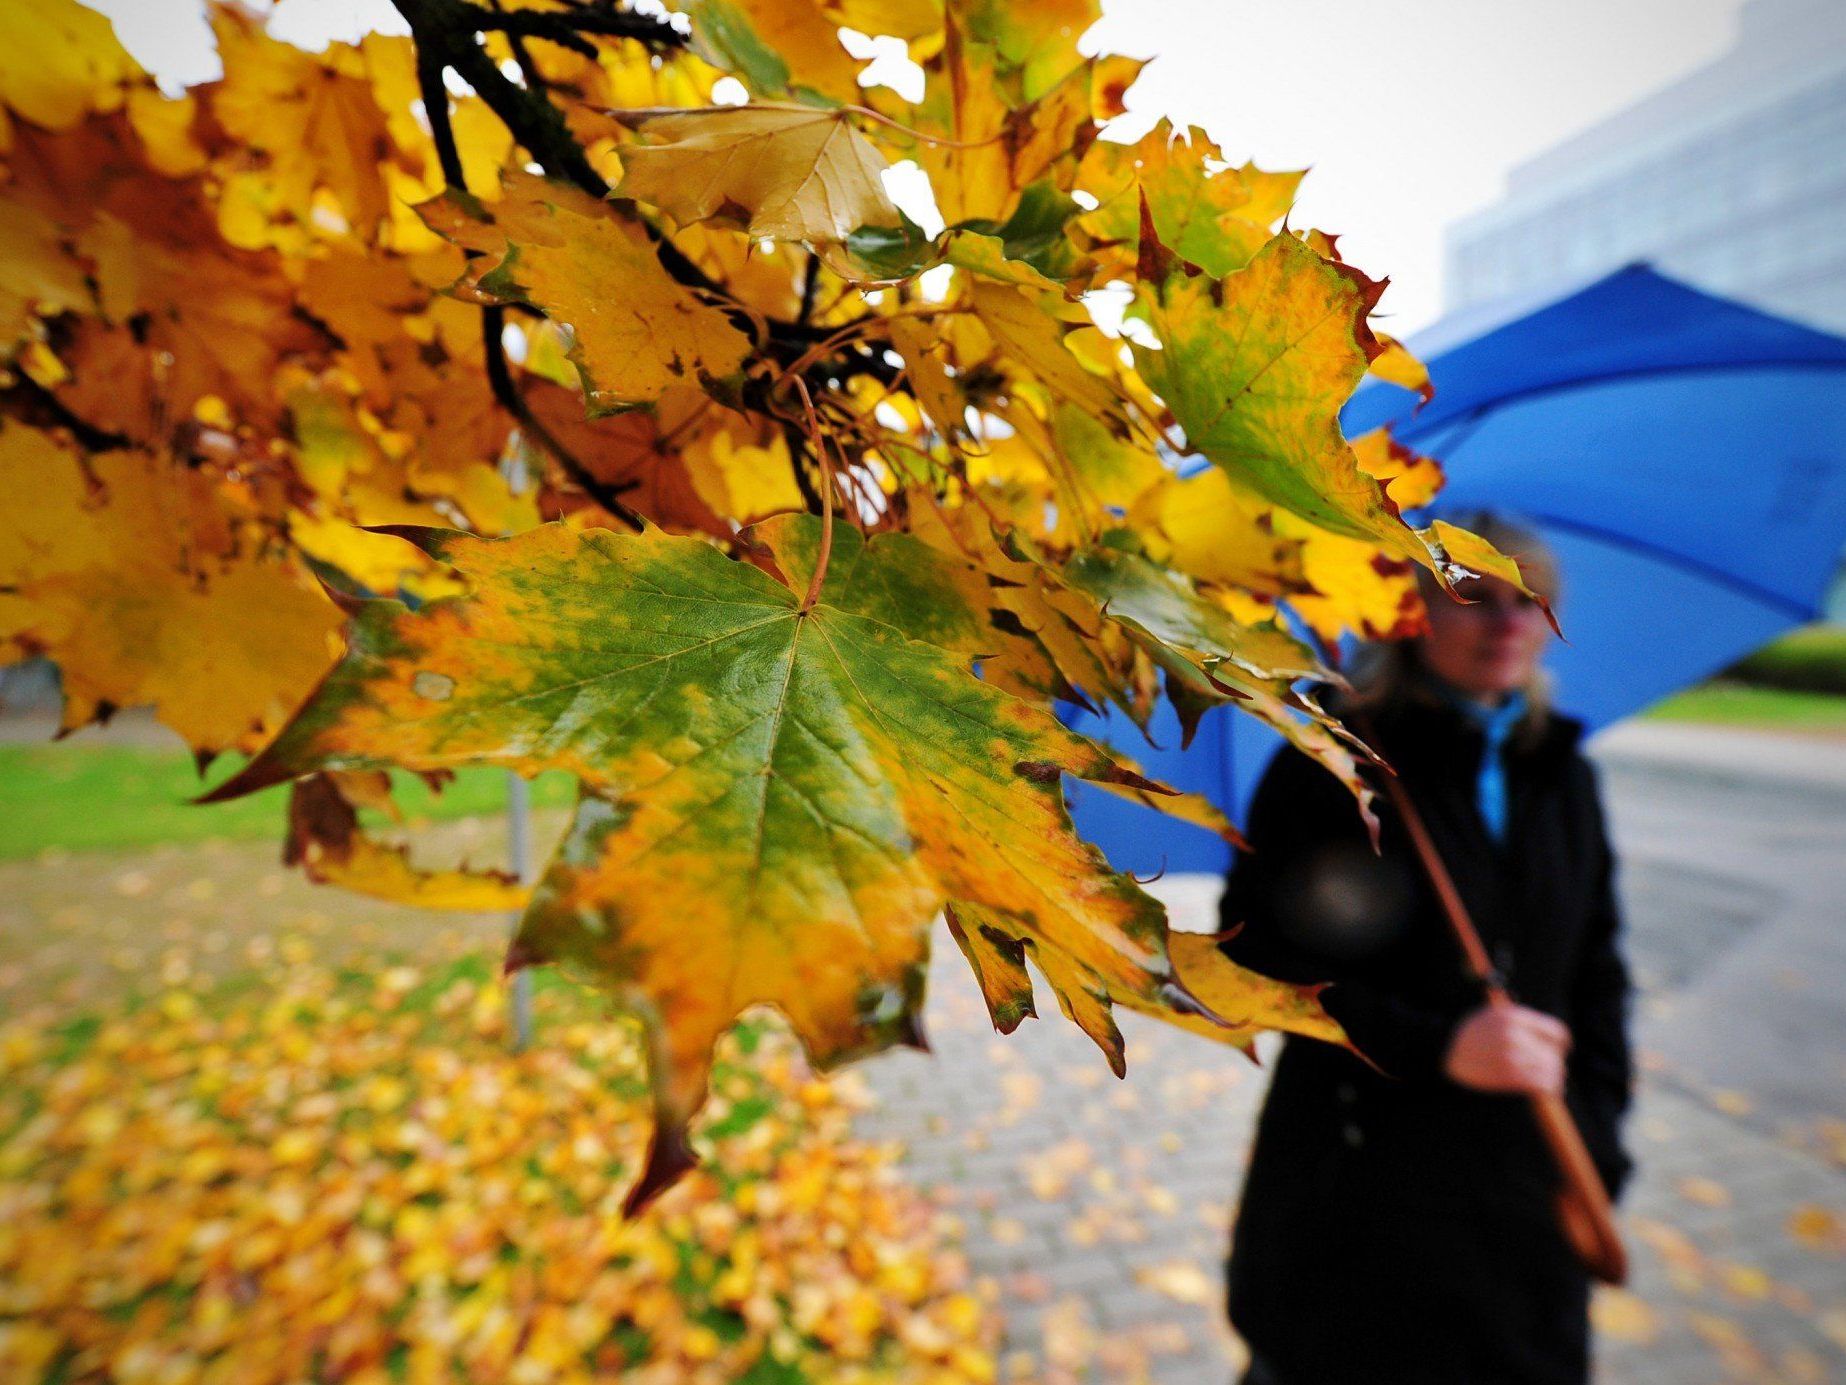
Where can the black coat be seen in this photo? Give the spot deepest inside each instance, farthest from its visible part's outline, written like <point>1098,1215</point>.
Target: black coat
<point>1399,1228</point>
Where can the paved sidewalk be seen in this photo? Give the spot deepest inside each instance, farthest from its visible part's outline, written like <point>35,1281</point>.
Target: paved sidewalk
<point>1100,1209</point>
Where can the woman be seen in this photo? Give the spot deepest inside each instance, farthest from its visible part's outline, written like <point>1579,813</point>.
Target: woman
<point>1397,1222</point>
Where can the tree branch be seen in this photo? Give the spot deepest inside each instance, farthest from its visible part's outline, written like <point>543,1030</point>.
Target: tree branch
<point>819,438</point>
<point>447,35</point>
<point>810,282</point>
<point>564,26</point>
<point>493,317</point>
<point>436,111</point>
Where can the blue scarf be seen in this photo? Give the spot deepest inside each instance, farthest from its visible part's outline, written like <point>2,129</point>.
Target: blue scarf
<point>1495,725</point>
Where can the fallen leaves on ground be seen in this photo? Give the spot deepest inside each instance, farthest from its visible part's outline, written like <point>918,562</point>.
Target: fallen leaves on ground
<point>1623,1316</point>
<point>1818,1228</point>
<point>1179,1280</point>
<point>1706,1192</point>
<point>349,1176</point>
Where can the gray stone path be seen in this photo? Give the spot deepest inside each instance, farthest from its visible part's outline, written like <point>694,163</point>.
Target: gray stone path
<point>1099,1210</point>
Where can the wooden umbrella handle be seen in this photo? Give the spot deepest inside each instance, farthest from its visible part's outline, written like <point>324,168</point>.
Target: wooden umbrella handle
<point>1584,1214</point>
<point>1587,1219</point>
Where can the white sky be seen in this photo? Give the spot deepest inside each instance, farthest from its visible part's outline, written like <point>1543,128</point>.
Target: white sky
<point>1409,111</point>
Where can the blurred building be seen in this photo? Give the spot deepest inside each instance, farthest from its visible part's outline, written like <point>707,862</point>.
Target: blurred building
<point>1732,178</point>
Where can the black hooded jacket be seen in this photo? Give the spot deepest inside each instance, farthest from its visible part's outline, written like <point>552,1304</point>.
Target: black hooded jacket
<point>1395,1226</point>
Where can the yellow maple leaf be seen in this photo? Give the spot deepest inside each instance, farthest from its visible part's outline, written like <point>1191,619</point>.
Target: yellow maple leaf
<point>775,47</point>
<point>313,118</point>
<point>115,587</point>
<point>59,61</point>
<point>637,332</point>
<point>782,172</point>
<point>41,276</point>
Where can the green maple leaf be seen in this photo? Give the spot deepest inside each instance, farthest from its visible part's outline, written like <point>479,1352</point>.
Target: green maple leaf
<point>1256,367</point>
<point>777,800</point>
<point>1212,659</point>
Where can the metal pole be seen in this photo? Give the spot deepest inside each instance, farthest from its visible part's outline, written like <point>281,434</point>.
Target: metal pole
<point>519,852</point>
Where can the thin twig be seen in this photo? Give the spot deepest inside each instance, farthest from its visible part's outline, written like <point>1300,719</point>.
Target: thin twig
<point>889,446</point>
<point>528,69</point>
<point>818,352</point>
<point>841,336</point>
<point>1080,492</point>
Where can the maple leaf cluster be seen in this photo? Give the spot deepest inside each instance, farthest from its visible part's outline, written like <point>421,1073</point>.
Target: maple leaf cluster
<point>496,394</point>
<point>349,1177</point>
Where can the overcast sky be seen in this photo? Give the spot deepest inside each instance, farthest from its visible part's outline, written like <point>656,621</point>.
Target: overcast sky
<point>1409,111</point>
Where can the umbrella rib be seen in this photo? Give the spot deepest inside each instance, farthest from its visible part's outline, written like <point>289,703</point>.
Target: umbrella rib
<point>1410,429</point>
<point>1802,611</point>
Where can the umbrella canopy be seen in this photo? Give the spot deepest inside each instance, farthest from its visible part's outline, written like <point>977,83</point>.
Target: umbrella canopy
<point>1684,455</point>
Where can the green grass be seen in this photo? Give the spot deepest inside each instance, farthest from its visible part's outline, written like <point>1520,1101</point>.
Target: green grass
<point>1808,660</point>
<point>1737,704</point>
<point>110,797</point>
<point>106,797</point>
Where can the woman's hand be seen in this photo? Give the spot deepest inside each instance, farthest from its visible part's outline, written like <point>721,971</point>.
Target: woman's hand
<point>1508,1048</point>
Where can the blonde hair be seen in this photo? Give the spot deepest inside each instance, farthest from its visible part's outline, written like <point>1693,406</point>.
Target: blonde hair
<point>1391,673</point>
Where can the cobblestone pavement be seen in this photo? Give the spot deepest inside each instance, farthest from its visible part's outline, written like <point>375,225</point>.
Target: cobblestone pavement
<point>1099,1210</point>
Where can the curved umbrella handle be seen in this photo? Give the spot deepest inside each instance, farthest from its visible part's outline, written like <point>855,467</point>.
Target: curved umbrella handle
<point>1584,1214</point>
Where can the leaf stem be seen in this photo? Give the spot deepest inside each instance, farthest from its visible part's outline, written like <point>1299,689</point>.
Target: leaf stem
<point>936,140</point>
<point>826,498</point>
<point>1080,492</point>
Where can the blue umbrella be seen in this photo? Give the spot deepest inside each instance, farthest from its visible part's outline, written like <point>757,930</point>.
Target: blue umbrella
<point>1685,455</point>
